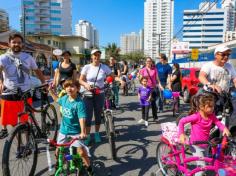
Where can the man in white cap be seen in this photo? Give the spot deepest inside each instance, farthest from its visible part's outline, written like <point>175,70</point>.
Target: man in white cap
<point>219,73</point>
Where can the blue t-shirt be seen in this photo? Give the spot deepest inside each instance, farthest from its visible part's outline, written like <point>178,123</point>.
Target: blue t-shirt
<point>163,71</point>
<point>55,64</point>
<point>144,93</point>
<point>72,111</point>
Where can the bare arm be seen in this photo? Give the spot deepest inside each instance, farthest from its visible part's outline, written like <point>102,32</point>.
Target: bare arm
<point>1,80</point>
<point>83,129</point>
<point>125,69</point>
<point>56,77</point>
<point>82,81</point>
<point>40,76</point>
<point>203,78</point>
<point>54,96</point>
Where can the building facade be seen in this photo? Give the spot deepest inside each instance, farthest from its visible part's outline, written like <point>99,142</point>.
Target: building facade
<point>4,21</point>
<point>158,27</point>
<point>87,30</point>
<point>46,17</point>
<point>131,42</point>
<point>205,26</point>
<point>230,6</point>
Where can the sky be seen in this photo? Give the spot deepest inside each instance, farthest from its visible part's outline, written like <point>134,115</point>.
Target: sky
<point>110,17</point>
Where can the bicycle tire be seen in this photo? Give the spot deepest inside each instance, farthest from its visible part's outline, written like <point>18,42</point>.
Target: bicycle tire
<point>50,122</point>
<point>163,167</point>
<point>16,132</point>
<point>112,143</point>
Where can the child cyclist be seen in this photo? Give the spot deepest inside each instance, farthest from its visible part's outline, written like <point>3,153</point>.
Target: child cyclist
<point>202,117</point>
<point>144,94</point>
<point>73,119</point>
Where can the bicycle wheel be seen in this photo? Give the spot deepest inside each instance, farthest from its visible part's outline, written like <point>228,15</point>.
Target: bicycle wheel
<point>20,152</point>
<point>164,150</point>
<point>111,136</point>
<point>50,122</point>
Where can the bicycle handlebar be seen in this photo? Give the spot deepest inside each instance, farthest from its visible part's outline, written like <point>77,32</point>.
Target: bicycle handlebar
<point>41,87</point>
<point>67,144</point>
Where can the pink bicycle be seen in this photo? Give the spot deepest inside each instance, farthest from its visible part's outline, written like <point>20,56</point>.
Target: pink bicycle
<point>172,159</point>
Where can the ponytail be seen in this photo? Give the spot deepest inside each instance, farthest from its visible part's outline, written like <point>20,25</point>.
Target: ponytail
<point>194,105</point>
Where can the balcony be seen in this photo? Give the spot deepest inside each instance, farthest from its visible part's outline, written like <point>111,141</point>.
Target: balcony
<point>42,14</point>
<point>42,22</point>
<point>42,7</point>
<point>41,30</point>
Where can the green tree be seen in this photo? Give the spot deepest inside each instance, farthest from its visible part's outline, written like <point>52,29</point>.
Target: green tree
<point>112,50</point>
<point>135,57</point>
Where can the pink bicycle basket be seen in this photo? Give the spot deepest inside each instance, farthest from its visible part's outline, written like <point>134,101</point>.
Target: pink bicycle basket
<point>175,94</point>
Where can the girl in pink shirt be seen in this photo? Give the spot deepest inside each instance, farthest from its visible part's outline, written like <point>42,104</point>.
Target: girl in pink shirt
<point>202,117</point>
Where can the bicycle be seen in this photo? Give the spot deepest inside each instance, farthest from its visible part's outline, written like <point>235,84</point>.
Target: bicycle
<point>108,120</point>
<point>69,161</point>
<point>22,143</point>
<point>172,160</point>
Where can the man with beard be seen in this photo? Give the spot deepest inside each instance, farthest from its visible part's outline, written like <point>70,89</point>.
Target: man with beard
<point>15,67</point>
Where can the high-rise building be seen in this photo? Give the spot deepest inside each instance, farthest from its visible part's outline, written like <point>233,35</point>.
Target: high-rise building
<point>158,27</point>
<point>47,17</point>
<point>87,30</point>
<point>131,42</point>
<point>4,21</point>
<point>205,26</point>
<point>230,6</point>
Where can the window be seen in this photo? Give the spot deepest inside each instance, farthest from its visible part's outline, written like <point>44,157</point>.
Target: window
<point>55,4</point>
<point>29,10</point>
<point>28,3</point>
<point>55,26</point>
<point>49,42</point>
<point>185,73</point>
<point>55,19</point>
<point>55,11</point>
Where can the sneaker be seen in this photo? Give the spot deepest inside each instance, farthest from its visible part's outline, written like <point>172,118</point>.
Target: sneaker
<point>97,137</point>
<point>3,133</point>
<point>146,123</point>
<point>141,121</point>
<point>87,141</point>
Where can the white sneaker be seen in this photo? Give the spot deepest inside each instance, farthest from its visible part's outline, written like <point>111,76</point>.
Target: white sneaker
<point>141,121</point>
<point>146,123</point>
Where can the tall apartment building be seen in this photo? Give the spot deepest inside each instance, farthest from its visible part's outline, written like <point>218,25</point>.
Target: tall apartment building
<point>230,6</point>
<point>47,17</point>
<point>158,26</point>
<point>205,26</point>
<point>4,21</point>
<point>87,30</point>
<point>131,42</point>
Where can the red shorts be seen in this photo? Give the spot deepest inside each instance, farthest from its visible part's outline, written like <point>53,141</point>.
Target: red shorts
<point>10,110</point>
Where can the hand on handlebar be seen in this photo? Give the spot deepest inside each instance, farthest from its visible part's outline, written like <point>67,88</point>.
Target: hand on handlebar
<point>215,88</point>
<point>183,138</point>
<point>82,136</point>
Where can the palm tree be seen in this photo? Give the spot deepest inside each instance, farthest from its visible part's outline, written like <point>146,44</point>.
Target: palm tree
<point>112,50</point>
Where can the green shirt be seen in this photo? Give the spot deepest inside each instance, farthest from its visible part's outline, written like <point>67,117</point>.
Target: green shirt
<point>72,111</point>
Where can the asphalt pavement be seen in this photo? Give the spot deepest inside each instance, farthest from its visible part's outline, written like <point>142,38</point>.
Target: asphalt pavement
<point>135,144</point>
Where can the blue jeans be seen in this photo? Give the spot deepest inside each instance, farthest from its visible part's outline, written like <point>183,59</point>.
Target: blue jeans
<point>160,98</point>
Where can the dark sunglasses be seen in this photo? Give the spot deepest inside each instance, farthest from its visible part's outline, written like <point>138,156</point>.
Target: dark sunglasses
<point>224,54</point>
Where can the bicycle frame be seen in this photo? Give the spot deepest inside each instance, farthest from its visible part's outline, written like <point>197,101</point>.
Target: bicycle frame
<point>179,159</point>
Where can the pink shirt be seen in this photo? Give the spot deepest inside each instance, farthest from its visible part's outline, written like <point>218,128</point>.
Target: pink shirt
<point>200,128</point>
<point>153,74</point>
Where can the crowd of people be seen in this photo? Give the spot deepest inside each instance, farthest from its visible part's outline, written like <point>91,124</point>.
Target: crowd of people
<point>77,113</point>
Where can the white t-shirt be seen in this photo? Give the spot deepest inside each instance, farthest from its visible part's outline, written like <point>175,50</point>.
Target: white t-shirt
<point>220,76</point>
<point>10,71</point>
<point>90,71</point>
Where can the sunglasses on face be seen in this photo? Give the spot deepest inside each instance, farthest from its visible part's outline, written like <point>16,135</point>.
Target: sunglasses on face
<point>224,54</point>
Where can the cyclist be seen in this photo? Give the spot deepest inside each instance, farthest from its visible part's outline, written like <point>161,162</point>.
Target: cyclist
<point>73,119</point>
<point>93,75</point>
<point>201,118</point>
<point>219,73</point>
<point>15,67</point>
<point>115,68</point>
<point>164,73</point>
<point>175,83</point>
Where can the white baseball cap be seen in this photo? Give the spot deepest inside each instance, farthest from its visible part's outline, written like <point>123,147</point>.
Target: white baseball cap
<point>95,50</point>
<point>221,49</point>
<point>57,52</point>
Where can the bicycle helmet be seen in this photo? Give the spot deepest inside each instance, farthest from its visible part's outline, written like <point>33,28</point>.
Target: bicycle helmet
<point>167,94</point>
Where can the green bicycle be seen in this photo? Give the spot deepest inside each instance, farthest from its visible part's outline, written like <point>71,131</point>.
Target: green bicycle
<point>69,161</point>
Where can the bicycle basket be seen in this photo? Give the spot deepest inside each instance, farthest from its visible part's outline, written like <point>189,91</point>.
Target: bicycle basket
<point>170,131</point>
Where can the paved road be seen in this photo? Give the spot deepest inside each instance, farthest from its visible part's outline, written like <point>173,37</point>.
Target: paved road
<point>135,144</point>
